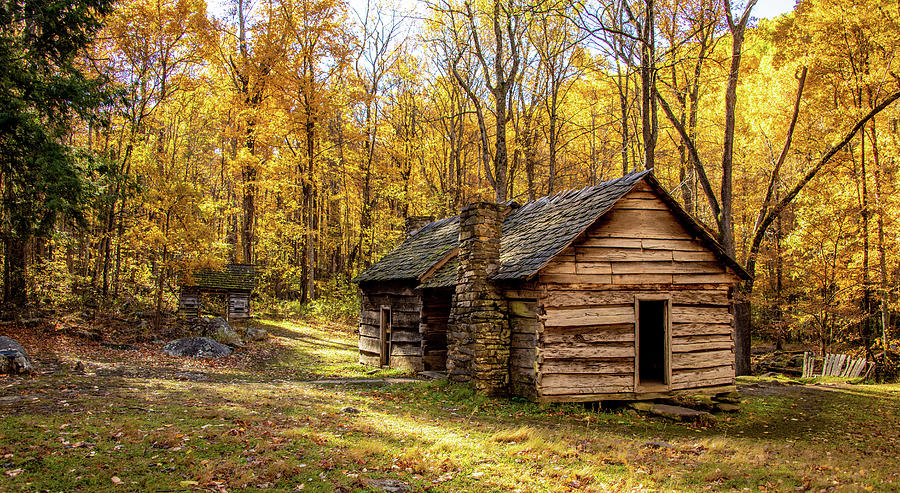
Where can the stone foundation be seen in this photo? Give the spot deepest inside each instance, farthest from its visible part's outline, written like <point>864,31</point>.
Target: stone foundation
<point>478,334</point>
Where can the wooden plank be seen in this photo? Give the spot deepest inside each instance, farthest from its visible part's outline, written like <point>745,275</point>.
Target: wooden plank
<point>701,297</point>
<point>688,347</point>
<point>600,366</point>
<point>646,223</point>
<point>604,241</point>
<point>723,278</point>
<point>701,314</point>
<point>639,202</point>
<point>698,268</point>
<point>586,298</point>
<point>642,278</point>
<point>703,383</point>
<point>524,309</point>
<point>705,359</point>
<point>369,345</point>
<point>523,358</point>
<point>405,336</point>
<point>405,350</point>
<point>643,268</point>
<point>684,378</point>
<point>524,325</point>
<point>697,329</point>
<point>398,319</point>
<point>573,298</point>
<point>597,337</point>
<point>369,359</point>
<point>573,278</point>
<point>589,316</point>
<point>584,384</point>
<point>523,341</point>
<point>675,244</point>
<point>586,351</point>
<point>369,331</point>
<point>590,267</point>
<point>558,266</point>
<point>608,254</point>
<point>694,256</point>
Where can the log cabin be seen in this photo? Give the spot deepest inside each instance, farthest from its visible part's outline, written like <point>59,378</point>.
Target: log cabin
<point>611,292</point>
<point>233,282</point>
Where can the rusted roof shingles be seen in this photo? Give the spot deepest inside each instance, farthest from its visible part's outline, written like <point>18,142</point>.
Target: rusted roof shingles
<point>532,235</point>
<point>416,254</point>
<point>233,277</point>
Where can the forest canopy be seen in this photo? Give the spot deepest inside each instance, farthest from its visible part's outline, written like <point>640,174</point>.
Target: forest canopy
<point>298,135</point>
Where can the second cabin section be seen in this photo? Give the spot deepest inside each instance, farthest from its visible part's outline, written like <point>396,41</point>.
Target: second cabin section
<point>609,292</point>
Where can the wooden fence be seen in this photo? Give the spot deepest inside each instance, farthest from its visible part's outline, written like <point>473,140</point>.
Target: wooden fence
<point>834,365</point>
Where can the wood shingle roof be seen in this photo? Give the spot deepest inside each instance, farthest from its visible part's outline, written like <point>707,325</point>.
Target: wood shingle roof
<point>232,277</point>
<point>533,235</point>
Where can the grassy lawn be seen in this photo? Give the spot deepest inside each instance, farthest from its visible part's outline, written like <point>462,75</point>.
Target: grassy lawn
<point>140,421</point>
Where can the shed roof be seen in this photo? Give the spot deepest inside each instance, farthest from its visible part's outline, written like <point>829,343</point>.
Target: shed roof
<point>532,235</point>
<point>232,277</point>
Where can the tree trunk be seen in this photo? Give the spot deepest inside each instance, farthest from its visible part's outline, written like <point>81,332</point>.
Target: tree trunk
<point>741,337</point>
<point>14,294</point>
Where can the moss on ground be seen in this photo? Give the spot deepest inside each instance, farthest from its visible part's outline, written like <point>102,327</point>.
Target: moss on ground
<point>257,424</point>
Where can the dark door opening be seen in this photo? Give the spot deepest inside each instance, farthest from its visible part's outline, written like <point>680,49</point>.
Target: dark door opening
<point>652,342</point>
<point>385,336</point>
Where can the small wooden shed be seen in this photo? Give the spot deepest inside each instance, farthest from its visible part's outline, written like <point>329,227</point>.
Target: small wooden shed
<point>234,281</point>
<point>608,292</point>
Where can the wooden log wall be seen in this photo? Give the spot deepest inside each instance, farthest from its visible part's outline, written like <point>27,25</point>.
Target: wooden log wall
<point>586,337</point>
<point>238,305</point>
<point>524,324</point>
<point>433,327</point>
<point>406,340</point>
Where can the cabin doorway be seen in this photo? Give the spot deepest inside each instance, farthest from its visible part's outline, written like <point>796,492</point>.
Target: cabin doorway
<point>652,344</point>
<point>385,345</point>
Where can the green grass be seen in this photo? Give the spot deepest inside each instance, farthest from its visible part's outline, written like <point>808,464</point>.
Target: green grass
<point>257,424</point>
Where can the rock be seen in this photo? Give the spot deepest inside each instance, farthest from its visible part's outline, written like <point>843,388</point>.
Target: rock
<point>254,334</point>
<point>682,413</point>
<point>731,397</point>
<point>216,328</point>
<point>13,358</point>
<point>641,405</point>
<point>389,485</point>
<point>728,407</point>
<point>349,410</point>
<point>196,347</point>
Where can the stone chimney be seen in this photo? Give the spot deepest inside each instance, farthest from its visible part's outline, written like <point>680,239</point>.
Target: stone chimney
<point>478,334</point>
<point>415,223</point>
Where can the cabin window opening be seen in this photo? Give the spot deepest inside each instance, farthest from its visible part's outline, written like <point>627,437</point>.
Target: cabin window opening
<point>385,336</point>
<point>652,342</point>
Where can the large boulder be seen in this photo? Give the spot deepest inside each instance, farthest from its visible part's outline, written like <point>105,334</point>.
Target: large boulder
<point>216,328</point>
<point>196,347</point>
<point>254,334</point>
<point>13,358</point>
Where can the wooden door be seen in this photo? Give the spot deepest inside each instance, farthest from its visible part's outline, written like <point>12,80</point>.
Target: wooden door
<point>385,336</point>
<point>653,356</point>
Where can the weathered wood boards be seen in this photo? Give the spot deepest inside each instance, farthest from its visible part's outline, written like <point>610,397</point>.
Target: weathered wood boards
<point>238,305</point>
<point>586,338</point>
<point>189,305</point>
<point>405,339</point>
<point>834,365</point>
<point>524,327</point>
<point>433,328</point>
